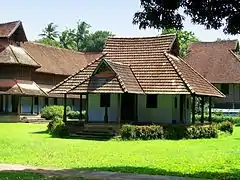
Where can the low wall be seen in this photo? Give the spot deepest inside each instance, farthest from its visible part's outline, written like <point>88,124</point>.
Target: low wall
<point>9,118</point>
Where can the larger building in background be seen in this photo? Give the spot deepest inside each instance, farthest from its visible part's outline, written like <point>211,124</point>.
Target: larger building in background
<point>220,64</point>
<point>29,70</point>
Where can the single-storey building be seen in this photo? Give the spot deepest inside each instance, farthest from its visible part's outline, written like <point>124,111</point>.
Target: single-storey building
<point>219,63</point>
<point>28,70</point>
<point>139,80</point>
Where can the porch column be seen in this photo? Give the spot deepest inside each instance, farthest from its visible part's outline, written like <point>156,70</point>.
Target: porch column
<point>86,114</point>
<point>193,108</point>
<point>32,105</point>
<point>202,109</point>
<point>80,107</point>
<point>210,110</point>
<point>65,108</point>
<point>1,103</point>
<point>19,103</point>
<point>119,108</point>
<point>38,105</point>
<point>6,103</point>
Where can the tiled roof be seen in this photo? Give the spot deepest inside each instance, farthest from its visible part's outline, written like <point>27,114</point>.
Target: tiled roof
<point>7,29</point>
<point>21,87</point>
<point>58,60</point>
<point>216,61</point>
<point>144,65</point>
<point>16,55</point>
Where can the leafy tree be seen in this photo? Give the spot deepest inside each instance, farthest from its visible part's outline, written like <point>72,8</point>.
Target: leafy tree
<point>49,42</point>
<point>161,14</point>
<point>95,42</point>
<point>66,39</point>
<point>184,39</point>
<point>50,31</point>
<point>82,32</point>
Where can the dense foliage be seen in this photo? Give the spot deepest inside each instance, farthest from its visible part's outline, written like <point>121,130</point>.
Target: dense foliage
<point>76,115</point>
<point>220,118</point>
<point>225,127</point>
<point>79,38</point>
<point>212,14</point>
<point>168,132</point>
<point>185,38</point>
<point>57,128</point>
<point>53,112</point>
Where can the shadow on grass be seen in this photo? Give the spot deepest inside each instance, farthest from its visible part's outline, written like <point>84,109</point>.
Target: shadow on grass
<point>40,132</point>
<point>93,173</point>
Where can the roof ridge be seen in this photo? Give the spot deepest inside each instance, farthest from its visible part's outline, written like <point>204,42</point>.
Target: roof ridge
<point>136,79</point>
<point>19,86</point>
<point>179,72</point>
<point>142,37</point>
<point>69,77</point>
<point>49,46</point>
<point>234,54</point>
<point>40,88</point>
<point>74,87</point>
<point>10,46</point>
<point>201,76</point>
<point>16,26</point>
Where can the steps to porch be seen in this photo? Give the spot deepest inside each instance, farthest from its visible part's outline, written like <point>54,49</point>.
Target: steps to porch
<point>97,131</point>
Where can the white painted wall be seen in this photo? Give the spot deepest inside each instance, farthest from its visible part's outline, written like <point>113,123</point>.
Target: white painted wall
<point>96,113</point>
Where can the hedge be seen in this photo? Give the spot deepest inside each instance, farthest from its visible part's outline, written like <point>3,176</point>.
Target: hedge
<point>128,132</point>
<point>225,127</point>
<point>57,128</point>
<point>75,115</point>
<point>219,119</point>
<point>53,112</point>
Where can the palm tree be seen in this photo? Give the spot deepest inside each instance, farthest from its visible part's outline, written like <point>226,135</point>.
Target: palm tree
<point>50,31</point>
<point>66,39</point>
<point>82,32</point>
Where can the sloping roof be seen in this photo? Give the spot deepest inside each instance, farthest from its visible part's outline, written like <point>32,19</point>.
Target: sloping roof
<point>8,29</point>
<point>58,60</point>
<point>195,82</point>
<point>154,71</point>
<point>216,61</point>
<point>121,80</point>
<point>16,55</point>
<point>21,87</point>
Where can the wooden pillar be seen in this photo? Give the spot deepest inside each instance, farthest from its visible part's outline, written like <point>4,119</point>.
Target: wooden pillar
<point>136,108</point>
<point>65,108</point>
<point>80,107</point>
<point>210,110</point>
<point>118,109</point>
<point>193,108</point>
<point>32,105</point>
<point>19,105</point>
<point>6,103</point>
<point>86,114</point>
<point>1,103</point>
<point>38,105</point>
<point>202,109</point>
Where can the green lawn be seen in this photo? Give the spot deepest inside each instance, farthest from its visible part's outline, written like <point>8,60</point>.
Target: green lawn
<point>209,158</point>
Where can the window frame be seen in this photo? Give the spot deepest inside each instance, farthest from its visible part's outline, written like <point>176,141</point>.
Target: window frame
<point>151,101</point>
<point>105,100</point>
<point>225,88</point>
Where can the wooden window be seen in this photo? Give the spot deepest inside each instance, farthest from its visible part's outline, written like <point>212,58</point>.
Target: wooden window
<point>35,100</point>
<point>175,102</point>
<point>46,101</point>
<point>151,101</point>
<point>225,89</point>
<point>105,100</point>
<point>55,101</point>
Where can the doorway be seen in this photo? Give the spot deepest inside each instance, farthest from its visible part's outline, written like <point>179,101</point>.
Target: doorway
<point>128,107</point>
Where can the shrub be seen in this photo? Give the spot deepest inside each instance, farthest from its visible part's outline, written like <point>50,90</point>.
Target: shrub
<point>225,127</point>
<point>198,132</point>
<point>53,112</point>
<point>168,132</point>
<point>76,115</point>
<point>57,128</point>
<point>219,119</point>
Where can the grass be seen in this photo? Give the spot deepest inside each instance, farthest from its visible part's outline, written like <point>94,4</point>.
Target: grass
<point>208,158</point>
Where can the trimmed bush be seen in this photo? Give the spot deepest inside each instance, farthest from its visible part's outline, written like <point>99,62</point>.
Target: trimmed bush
<point>76,115</point>
<point>168,132</point>
<point>57,128</point>
<point>225,127</point>
<point>53,112</point>
<point>219,119</point>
